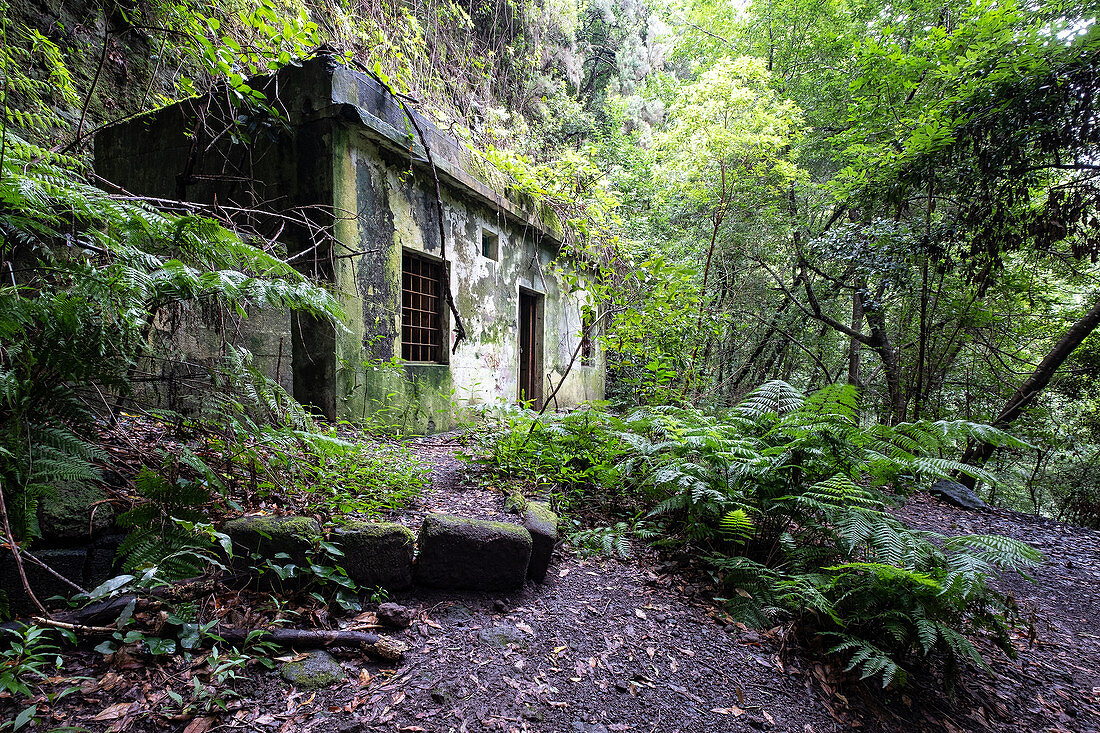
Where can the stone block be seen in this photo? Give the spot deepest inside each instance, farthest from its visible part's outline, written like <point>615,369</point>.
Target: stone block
<point>472,554</point>
<point>377,553</point>
<point>76,511</point>
<point>543,526</point>
<point>68,563</point>
<point>103,559</point>
<point>269,536</point>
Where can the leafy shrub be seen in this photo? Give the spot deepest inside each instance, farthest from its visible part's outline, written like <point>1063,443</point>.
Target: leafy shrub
<point>91,283</point>
<point>786,499</point>
<point>28,656</point>
<point>578,457</point>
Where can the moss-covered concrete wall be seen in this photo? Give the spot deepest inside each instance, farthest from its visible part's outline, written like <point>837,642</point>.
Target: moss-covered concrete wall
<point>398,214</point>
<point>351,149</point>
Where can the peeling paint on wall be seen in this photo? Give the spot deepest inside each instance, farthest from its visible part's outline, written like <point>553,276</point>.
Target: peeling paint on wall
<point>383,199</point>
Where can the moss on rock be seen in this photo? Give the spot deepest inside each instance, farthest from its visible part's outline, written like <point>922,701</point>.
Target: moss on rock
<point>473,554</point>
<point>75,508</point>
<point>377,553</point>
<point>269,536</point>
<point>542,523</point>
<point>315,671</point>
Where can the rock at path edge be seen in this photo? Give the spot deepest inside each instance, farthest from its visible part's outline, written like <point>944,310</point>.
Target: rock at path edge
<point>77,511</point>
<point>472,554</point>
<point>269,536</point>
<point>315,671</point>
<point>955,493</point>
<point>68,563</point>
<point>542,523</point>
<point>377,553</point>
<point>395,615</point>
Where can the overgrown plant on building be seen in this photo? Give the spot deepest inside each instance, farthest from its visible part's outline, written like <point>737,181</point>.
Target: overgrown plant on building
<point>86,275</point>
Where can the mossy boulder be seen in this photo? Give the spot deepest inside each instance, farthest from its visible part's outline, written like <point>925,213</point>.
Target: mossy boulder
<point>315,671</point>
<point>269,536</point>
<point>472,554</point>
<point>76,511</point>
<point>542,523</point>
<point>376,553</point>
<point>515,503</point>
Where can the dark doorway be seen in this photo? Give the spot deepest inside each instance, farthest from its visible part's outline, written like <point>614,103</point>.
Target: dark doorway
<point>530,348</point>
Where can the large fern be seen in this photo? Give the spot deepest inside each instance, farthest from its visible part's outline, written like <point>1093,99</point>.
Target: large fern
<point>787,500</point>
<point>87,274</point>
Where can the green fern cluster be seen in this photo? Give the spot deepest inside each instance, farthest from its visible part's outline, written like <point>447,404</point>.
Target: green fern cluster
<point>157,534</point>
<point>579,457</point>
<point>788,495</point>
<point>612,540</point>
<point>85,276</point>
<point>787,500</point>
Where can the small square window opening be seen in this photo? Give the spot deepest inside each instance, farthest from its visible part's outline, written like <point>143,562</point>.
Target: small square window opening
<point>588,320</point>
<point>490,244</point>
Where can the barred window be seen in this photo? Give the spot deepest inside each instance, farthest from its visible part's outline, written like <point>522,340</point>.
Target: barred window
<point>421,309</point>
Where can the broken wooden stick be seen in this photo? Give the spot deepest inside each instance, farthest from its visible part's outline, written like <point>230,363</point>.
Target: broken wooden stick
<point>374,644</point>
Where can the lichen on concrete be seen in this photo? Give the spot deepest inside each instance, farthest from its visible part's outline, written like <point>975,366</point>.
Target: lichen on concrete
<point>76,510</point>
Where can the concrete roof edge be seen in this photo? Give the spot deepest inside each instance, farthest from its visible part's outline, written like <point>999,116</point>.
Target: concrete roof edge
<point>349,108</point>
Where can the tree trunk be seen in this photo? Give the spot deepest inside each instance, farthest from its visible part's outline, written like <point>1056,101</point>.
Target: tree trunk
<point>854,346</point>
<point>978,453</point>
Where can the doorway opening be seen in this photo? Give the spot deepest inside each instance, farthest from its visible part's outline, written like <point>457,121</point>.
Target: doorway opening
<point>530,348</point>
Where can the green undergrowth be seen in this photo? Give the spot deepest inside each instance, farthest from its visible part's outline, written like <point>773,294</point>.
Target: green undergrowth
<point>785,500</point>
<point>305,473</point>
<point>365,479</point>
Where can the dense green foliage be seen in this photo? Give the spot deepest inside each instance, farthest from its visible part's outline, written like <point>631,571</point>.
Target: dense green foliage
<point>786,500</point>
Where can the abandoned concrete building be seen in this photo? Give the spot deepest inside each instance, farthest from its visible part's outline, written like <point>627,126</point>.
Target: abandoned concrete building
<point>349,153</point>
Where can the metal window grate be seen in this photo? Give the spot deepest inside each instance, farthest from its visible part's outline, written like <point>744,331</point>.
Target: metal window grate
<point>421,330</point>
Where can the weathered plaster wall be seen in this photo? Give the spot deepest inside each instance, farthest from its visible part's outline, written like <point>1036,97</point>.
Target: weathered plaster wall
<point>349,147</point>
<point>398,214</point>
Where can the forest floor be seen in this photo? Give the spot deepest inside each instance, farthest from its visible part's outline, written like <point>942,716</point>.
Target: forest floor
<point>607,645</point>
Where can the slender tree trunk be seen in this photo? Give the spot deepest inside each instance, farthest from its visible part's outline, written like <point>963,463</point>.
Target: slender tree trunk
<point>854,345</point>
<point>891,360</point>
<point>978,453</point>
<point>922,335</point>
<point>922,344</point>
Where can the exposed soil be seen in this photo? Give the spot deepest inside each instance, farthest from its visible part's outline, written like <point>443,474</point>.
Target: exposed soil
<point>605,645</point>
